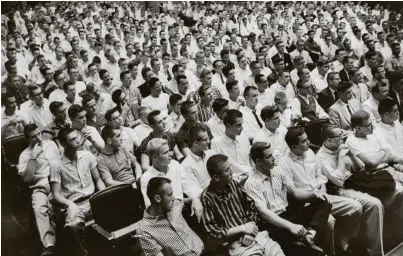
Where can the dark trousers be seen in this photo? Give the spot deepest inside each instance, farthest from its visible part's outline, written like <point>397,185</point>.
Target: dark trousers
<point>314,216</point>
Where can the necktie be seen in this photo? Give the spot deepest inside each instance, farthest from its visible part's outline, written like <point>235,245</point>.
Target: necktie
<point>349,109</point>
<point>169,76</point>
<point>336,97</point>
<point>257,119</point>
<point>222,79</point>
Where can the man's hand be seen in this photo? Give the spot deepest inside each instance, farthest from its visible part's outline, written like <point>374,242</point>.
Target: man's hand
<point>86,134</point>
<point>343,150</point>
<point>197,208</point>
<point>322,196</point>
<point>36,151</point>
<point>250,228</point>
<point>297,230</point>
<point>388,154</point>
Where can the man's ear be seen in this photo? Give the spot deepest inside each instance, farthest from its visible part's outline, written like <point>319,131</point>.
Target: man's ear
<point>216,178</point>
<point>157,198</point>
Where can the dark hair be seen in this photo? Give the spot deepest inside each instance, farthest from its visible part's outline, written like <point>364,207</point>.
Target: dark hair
<point>67,84</point>
<point>214,163</point>
<point>326,130</point>
<point>29,128</point>
<point>230,84</point>
<point>248,89</point>
<point>226,70</point>
<point>116,95</point>
<point>386,106</point>
<point>63,133</point>
<point>87,98</point>
<point>293,134</point>
<point>256,151</point>
<point>194,134</point>
<point>102,73</point>
<point>107,131</point>
<point>230,116</point>
<point>153,81</point>
<point>218,104</point>
<point>32,88</point>
<point>109,113</point>
<point>123,73</point>
<point>174,98</point>
<point>151,117</point>
<point>54,105</point>
<point>202,90</point>
<point>268,112</point>
<point>344,86</point>
<point>74,110</point>
<point>186,105</point>
<point>155,185</point>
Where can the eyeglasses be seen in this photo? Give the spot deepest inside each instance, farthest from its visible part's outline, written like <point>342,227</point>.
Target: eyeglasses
<point>370,125</point>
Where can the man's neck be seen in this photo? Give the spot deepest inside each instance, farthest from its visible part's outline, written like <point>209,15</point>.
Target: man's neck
<point>360,135</point>
<point>109,149</point>
<point>155,211</point>
<point>70,154</point>
<point>197,151</point>
<point>157,134</point>
<point>253,108</point>
<point>158,167</point>
<point>230,135</point>
<point>385,121</point>
<point>264,172</point>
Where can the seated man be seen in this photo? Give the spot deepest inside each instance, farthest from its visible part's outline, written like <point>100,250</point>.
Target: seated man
<point>73,180</point>
<point>90,139</point>
<point>338,163</point>
<point>235,218</point>
<point>189,112</point>
<point>156,120</point>
<point>340,112</point>
<point>305,104</point>
<point>389,130</point>
<point>12,121</point>
<point>272,132</point>
<point>251,112</point>
<point>34,165</point>
<point>116,165</point>
<point>216,124</point>
<point>269,187</point>
<point>301,166</point>
<point>164,166</point>
<point>162,239</point>
<point>195,163</point>
<point>114,117</point>
<point>379,92</point>
<point>375,155</point>
<point>59,111</point>
<point>234,144</point>
<point>175,119</point>
<point>142,130</point>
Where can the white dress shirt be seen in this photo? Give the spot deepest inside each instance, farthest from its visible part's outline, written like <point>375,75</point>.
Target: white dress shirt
<point>266,98</point>
<point>391,135</point>
<point>318,80</point>
<point>197,176</point>
<point>304,170</point>
<point>304,54</point>
<point>141,131</point>
<point>250,124</point>
<point>276,140</point>
<point>237,150</point>
<point>216,126</point>
<point>161,103</point>
<point>288,90</point>
<point>175,173</point>
<point>39,115</point>
<point>371,106</point>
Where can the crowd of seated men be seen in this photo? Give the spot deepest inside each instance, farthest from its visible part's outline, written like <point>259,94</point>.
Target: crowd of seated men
<point>208,109</point>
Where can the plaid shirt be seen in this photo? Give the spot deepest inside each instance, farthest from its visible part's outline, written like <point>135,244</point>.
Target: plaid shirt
<point>170,234</point>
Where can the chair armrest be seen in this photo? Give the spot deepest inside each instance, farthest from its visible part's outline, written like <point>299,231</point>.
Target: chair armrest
<point>126,231</point>
<point>103,232</point>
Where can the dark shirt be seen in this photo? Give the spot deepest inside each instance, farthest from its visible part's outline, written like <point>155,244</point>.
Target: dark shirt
<point>227,209</point>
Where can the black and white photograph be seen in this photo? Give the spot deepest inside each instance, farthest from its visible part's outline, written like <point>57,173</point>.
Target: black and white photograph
<point>202,128</point>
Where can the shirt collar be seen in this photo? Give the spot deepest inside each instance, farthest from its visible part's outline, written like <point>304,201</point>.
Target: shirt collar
<point>260,176</point>
<point>294,157</point>
<point>328,151</point>
<point>196,157</point>
<point>65,160</point>
<point>228,139</point>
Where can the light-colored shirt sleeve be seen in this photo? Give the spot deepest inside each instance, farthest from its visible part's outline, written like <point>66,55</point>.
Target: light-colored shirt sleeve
<point>190,183</point>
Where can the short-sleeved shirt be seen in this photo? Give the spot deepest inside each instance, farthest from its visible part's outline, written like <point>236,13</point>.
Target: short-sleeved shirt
<point>182,137</point>
<point>50,153</point>
<point>117,166</point>
<point>161,103</point>
<point>76,182</point>
<point>170,234</point>
<point>270,191</point>
<point>53,129</point>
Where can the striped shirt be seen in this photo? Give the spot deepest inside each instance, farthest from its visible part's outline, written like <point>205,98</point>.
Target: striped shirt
<point>269,191</point>
<point>165,135</point>
<point>204,112</point>
<point>226,209</point>
<point>170,235</point>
